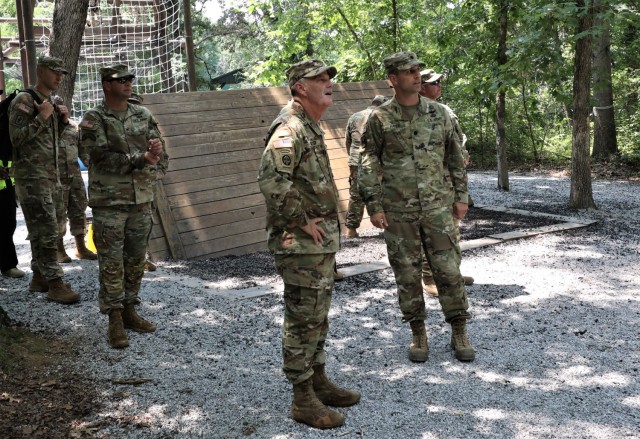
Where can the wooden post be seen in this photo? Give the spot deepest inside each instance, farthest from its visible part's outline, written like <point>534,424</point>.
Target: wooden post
<point>29,40</point>
<point>23,53</point>
<point>191,59</point>
<point>2,84</point>
<point>168,223</point>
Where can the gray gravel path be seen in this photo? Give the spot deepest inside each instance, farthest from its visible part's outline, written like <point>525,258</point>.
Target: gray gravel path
<point>555,328</point>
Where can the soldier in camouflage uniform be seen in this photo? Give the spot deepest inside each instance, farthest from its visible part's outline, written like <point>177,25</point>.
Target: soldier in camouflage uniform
<point>424,185</point>
<point>127,155</point>
<point>73,200</point>
<point>35,130</point>
<point>432,89</point>
<point>353,135</point>
<point>303,234</point>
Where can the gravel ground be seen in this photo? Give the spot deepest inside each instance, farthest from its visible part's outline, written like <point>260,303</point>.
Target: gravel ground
<point>555,328</point>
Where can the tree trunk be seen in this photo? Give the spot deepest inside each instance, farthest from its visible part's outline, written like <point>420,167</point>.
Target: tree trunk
<point>605,142</point>
<point>581,191</point>
<point>69,19</point>
<point>501,140</point>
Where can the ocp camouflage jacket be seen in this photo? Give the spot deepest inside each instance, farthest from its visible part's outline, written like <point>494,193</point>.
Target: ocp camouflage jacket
<point>297,183</point>
<point>420,160</point>
<point>118,173</point>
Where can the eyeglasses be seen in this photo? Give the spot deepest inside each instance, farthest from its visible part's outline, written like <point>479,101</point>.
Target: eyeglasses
<point>436,82</point>
<point>122,80</point>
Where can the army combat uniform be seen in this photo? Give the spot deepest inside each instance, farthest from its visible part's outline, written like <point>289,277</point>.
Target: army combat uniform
<point>120,195</point>
<point>35,144</point>
<point>422,176</point>
<point>296,180</point>
<point>73,201</point>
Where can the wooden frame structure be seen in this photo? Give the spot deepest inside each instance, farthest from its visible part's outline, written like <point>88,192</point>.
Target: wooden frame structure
<point>209,203</point>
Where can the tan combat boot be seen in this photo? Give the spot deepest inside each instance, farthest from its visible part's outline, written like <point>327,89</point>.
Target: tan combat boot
<point>330,394</point>
<point>419,348</point>
<point>61,254</point>
<point>61,292</point>
<point>39,283</point>
<point>338,275</point>
<point>82,252</point>
<point>132,320</point>
<point>117,335</point>
<point>429,286</point>
<point>460,342</point>
<point>351,233</point>
<point>149,266</point>
<point>307,408</point>
<point>468,280</point>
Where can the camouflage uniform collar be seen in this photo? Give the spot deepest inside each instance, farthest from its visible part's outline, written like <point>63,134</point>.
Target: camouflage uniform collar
<point>423,106</point>
<point>298,110</point>
<point>130,109</point>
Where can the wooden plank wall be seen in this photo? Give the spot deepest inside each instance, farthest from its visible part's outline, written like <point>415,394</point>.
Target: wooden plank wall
<point>215,141</point>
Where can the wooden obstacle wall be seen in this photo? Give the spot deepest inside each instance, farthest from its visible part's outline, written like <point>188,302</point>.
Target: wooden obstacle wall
<point>209,203</point>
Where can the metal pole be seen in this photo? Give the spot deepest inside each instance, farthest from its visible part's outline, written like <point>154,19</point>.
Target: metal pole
<point>188,30</point>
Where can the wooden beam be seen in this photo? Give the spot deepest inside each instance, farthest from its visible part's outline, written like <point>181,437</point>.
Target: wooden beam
<point>168,223</point>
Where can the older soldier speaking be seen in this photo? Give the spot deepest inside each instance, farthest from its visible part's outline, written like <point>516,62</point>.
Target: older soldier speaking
<point>303,233</point>
<point>127,155</point>
<point>412,142</point>
<point>35,127</point>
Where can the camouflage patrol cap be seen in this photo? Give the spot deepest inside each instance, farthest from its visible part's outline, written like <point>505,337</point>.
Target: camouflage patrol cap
<point>402,61</point>
<point>135,99</point>
<point>429,75</point>
<point>308,69</point>
<point>115,71</point>
<point>52,63</point>
<point>379,100</point>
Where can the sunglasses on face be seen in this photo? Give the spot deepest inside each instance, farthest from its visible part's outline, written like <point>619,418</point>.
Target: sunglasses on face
<point>122,80</point>
<point>434,82</point>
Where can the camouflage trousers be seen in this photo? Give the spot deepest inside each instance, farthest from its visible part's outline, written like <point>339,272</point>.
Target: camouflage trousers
<point>356,204</point>
<point>407,235</point>
<point>38,200</point>
<point>427,275</point>
<point>120,234</point>
<point>308,284</point>
<point>73,206</point>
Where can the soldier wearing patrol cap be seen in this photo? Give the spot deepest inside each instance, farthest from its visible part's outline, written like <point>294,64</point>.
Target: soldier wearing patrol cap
<point>412,142</point>
<point>127,156</point>
<point>35,126</point>
<point>353,142</point>
<point>296,180</point>
<point>432,89</point>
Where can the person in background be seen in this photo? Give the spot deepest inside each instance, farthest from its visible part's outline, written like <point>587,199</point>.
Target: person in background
<point>353,136</point>
<point>73,199</point>
<point>127,153</point>
<point>136,99</point>
<point>301,197</point>
<point>412,142</point>
<point>9,208</point>
<point>432,89</point>
<point>35,127</point>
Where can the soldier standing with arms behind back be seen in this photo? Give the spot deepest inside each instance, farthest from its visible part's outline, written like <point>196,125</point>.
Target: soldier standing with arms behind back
<point>73,200</point>
<point>303,234</point>
<point>35,129</point>
<point>412,142</point>
<point>432,89</point>
<point>126,157</point>
<point>353,142</point>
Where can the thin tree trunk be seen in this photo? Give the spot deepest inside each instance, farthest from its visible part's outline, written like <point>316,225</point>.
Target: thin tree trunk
<point>536,156</point>
<point>581,191</point>
<point>501,139</point>
<point>395,20</point>
<point>605,142</point>
<point>357,39</point>
<point>69,19</point>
